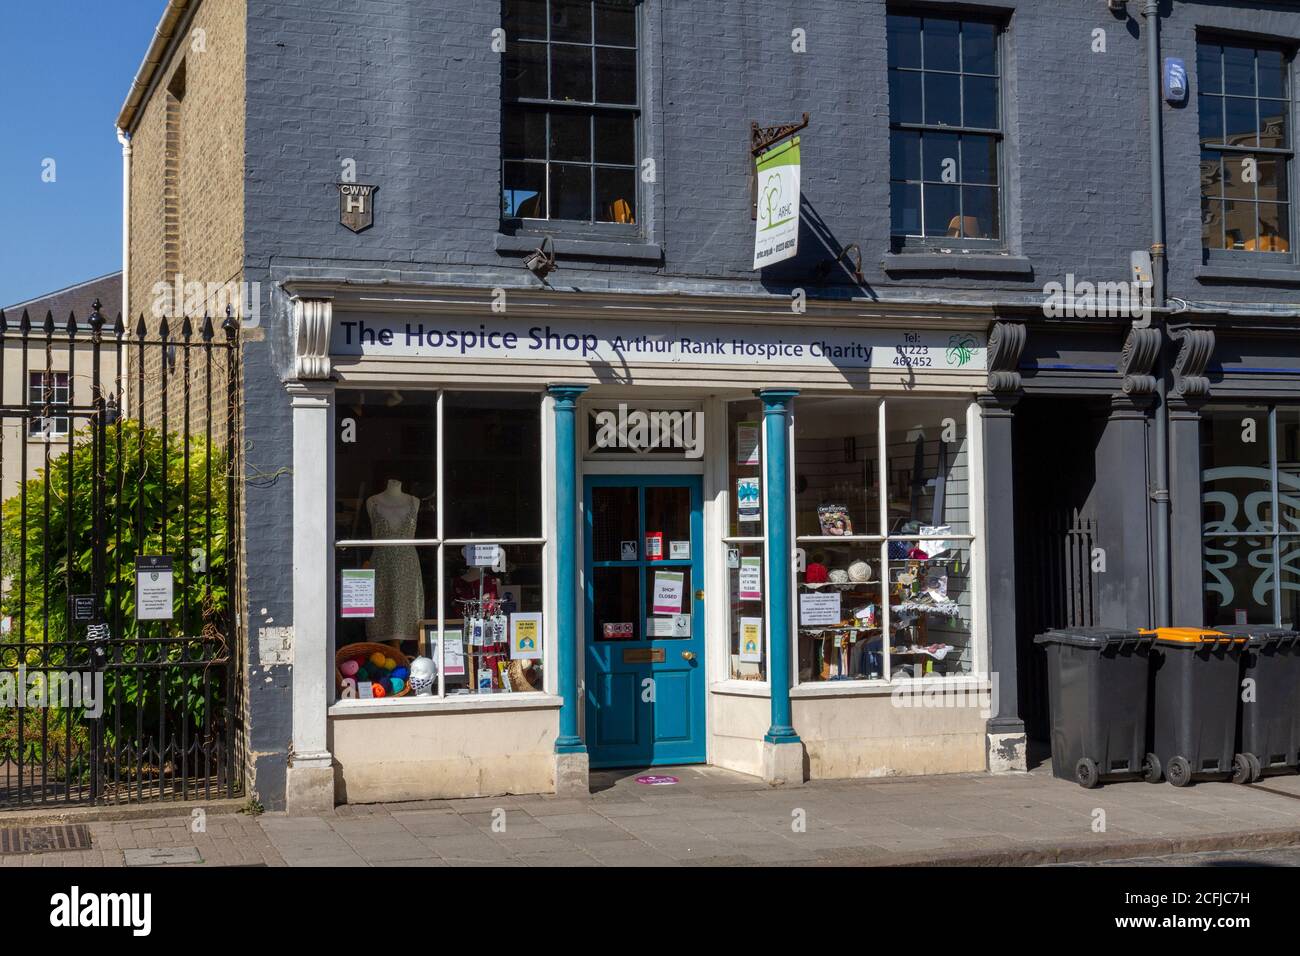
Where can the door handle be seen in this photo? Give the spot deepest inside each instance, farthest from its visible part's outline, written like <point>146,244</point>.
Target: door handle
<point>688,655</point>
<point>699,595</point>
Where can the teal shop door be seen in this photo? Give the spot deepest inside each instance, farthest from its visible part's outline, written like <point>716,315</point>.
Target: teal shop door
<point>645,620</point>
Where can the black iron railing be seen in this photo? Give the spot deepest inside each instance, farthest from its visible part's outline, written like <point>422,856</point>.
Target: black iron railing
<point>106,704</point>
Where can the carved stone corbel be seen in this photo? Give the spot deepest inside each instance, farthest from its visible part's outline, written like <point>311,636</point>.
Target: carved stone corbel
<point>312,319</point>
<point>1195,346</point>
<point>1006,344</point>
<point>1137,361</point>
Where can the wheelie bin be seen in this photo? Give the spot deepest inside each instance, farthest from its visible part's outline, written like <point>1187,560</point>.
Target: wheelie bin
<point>1097,681</point>
<point>1268,703</point>
<point>1195,688</point>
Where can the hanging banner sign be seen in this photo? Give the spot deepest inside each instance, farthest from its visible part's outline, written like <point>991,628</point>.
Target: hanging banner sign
<point>597,342</point>
<point>776,228</point>
<point>154,588</point>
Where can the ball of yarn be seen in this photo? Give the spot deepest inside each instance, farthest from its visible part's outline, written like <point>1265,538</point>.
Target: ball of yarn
<point>401,672</point>
<point>839,576</point>
<point>389,663</point>
<point>816,574</point>
<point>362,674</point>
<point>377,690</point>
<point>349,668</point>
<point>397,684</point>
<point>859,571</point>
<point>377,659</point>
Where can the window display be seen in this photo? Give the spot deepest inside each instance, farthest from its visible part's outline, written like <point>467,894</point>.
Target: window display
<point>743,544</point>
<point>431,600</point>
<point>873,602</point>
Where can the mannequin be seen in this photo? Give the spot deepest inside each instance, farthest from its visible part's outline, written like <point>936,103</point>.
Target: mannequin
<point>399,587</point>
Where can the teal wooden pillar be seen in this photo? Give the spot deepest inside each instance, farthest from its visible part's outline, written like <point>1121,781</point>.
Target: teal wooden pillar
<point>567,562</point>
<point>776,418</point>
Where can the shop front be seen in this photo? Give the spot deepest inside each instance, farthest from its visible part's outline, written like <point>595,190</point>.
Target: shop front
<point>593,531</point>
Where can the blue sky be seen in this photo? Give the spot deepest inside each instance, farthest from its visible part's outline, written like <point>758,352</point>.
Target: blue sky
<point>67,66</point>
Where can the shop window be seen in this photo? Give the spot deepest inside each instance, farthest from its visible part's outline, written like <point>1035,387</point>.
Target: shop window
<point>440,549</point>
<point>945,134</point>
<point>1250,515</point>
<point>1244,103</point>
<point>570,111</point>
<point>743,544</point>
<point>883,538</point>
<point>47,391</point>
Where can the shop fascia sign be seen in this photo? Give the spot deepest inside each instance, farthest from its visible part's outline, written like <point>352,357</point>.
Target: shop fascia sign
<point>618,345</point>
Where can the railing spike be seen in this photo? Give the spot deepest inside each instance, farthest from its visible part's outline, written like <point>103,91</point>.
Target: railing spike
<point>206,332</point>
<point>96,320</point>
<point>71,327</point>
<point>163,329</point>
<point>25,324</point>
<point>186,328</point>
<point>48,326</point>
<point>4,322</point>
<point>119,327</point>
<point>140,327</point>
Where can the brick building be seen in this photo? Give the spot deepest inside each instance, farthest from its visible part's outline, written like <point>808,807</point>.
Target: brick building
<point>942,402</point>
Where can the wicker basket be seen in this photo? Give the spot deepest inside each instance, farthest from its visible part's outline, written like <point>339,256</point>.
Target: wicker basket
<point>365,649</point>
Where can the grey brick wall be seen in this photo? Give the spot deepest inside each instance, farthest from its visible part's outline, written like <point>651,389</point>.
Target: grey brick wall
<point>410,90</point>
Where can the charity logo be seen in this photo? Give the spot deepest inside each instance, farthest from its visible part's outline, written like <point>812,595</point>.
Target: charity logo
<point>774,209</point>
<point>961,348</point>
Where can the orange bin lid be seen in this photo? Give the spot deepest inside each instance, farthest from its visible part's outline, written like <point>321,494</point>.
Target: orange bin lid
<point>1194,635</point>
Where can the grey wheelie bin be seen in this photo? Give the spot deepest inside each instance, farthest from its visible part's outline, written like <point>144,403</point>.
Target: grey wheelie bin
<point>1268,703</point>
<point>1097,681</point>
<point>1196,683</point>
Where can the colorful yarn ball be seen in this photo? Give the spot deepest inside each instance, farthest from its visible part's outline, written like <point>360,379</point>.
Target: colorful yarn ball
<point>397,684</point>
<point>377,659</point>
<point>816,574</point>
<point>401,672</point>
<point>377,690</point>
<point>349,668</point>
<point>389,663</point>
<point>362,674</point>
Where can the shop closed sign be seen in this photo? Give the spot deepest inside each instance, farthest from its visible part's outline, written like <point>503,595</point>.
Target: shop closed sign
<point>619,344</point>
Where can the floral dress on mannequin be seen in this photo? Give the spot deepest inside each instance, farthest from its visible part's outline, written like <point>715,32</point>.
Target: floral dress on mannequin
<point>399,587</point>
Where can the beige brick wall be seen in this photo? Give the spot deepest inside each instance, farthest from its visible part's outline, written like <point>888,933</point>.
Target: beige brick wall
<point>187,198</point>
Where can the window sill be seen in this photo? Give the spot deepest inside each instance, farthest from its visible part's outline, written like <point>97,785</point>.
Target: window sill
<point>960,263</point>
<point>1242,272</point>
<point>423,705</point>
<point>742,688</point>
<point>581,248</point>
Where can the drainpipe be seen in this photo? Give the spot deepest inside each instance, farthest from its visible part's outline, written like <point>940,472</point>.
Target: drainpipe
<point>125,139</point>
<point>1160,493</point>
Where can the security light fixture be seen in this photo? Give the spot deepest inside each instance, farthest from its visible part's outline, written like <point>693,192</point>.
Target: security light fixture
<point>542,262</point>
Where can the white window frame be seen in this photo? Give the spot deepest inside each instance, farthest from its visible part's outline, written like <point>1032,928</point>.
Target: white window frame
<point>36,389</point>
<point>972,540</point>
<point>546,542</point>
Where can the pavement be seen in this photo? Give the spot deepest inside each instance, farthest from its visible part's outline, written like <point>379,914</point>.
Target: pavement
<point>714,817</point>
